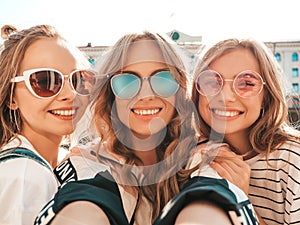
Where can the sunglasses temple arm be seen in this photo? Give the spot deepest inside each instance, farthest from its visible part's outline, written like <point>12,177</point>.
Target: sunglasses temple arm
<point>17,79</point>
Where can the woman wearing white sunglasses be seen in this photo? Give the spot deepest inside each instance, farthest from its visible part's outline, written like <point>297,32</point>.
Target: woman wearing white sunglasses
<point>143,115</point>
<point>38,108</point>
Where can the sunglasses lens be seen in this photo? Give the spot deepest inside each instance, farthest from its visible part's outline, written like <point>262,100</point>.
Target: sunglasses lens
<point>248,84</point>
<point>164,84</point>
<point>46,83</point>
<point>125,86</point>
<point>209,83</point>
<point>83,81</point>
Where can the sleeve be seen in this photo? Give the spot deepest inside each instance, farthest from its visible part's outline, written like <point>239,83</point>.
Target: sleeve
<point>292,202</point>
<point>291,176</point>
<point>26,186</point>
<point>218,191</point>
<point>101,190</point>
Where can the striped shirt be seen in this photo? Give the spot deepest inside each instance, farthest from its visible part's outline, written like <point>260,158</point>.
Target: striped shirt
<point>275,187</point>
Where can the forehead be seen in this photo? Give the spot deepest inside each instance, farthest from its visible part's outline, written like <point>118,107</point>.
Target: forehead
<point>235,62</point>
<point>144,51</point>
<point>49,52</point>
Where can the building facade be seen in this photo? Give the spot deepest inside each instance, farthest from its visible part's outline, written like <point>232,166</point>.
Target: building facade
<point>287,53</point>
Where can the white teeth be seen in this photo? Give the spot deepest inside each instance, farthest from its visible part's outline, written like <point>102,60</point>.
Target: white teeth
<point>144,112</point>
<point>226,113</point>
<point>64,112</point>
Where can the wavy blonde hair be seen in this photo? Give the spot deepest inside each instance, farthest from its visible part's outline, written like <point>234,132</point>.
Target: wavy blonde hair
<point>174,150</point>
<point>272,128</point>
<point>12,54</point>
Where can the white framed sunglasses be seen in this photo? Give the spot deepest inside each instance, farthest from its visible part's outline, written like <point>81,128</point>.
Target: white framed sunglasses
<point>47,82</point>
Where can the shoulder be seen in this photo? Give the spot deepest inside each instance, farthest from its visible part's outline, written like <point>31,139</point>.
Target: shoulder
<point>24,167</point>
<point>27,176</point>
<point>290,147</point>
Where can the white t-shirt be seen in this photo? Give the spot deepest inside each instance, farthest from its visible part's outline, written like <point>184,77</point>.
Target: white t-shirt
<point>25,187</point>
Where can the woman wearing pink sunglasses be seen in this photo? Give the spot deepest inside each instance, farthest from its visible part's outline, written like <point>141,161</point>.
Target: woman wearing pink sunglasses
<point>40,75</point>
<point>238,88</point>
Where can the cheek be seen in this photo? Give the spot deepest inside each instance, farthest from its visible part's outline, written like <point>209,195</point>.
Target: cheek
<point>123,111</point>
<point>254,108</point>
<point>25,100</point>
<point>81,103</point>
<point>32,109</point>
<point>170,110</point>
<point>167,114</point>
<point>203,107</point>
<point>255,105</point>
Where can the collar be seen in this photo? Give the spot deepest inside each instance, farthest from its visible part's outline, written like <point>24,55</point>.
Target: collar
<point>24,143</point>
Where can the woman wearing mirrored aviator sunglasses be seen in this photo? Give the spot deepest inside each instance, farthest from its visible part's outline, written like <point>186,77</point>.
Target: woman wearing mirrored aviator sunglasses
<point>238,88</point>
<point>40,75</point>
<point>143,116</point>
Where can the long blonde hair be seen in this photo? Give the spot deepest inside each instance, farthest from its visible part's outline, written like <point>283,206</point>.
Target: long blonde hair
<point>174,150</point>
<point>270,130</point>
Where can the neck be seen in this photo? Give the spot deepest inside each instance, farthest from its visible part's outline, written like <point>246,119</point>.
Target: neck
<point>240,142</point>
<point>145,148</point>
<point>147,143</point>
<point>148,157</point>
<point>46,146</point>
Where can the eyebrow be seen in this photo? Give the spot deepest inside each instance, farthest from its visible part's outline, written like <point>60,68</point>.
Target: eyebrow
<point>138,74</point>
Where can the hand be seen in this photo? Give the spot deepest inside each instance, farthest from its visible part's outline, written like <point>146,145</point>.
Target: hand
<point>231,167</point>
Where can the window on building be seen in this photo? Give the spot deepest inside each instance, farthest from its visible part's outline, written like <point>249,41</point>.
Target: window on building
<point>277,56</point>
<point>295,101</point>
<point>295,57</point>
<point>295,72</point>
<point>296,87</point>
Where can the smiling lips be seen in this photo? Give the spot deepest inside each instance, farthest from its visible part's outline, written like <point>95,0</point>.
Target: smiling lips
<point>146,112</point>
<point>226,113</point>
<point>65,113</point>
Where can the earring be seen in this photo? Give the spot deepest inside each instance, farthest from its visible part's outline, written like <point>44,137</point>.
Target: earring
<point>13,105</point>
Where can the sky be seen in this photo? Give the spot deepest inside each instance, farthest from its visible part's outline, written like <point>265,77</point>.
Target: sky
<point>102,22</point>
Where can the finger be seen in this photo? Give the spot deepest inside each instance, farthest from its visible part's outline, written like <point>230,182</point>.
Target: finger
<point>75,150</point>
<point>236,165</point>
<point>237,162</point>
<point>241,179</point>
<point>221,171</point>
<point>225,154</point>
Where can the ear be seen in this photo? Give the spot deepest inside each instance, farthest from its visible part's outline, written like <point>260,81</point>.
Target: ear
<point>13,105</point>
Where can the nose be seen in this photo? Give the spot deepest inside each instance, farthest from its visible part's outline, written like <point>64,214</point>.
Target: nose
<point>67,92</point>
<point>227,93</point>
<point>146,90</point>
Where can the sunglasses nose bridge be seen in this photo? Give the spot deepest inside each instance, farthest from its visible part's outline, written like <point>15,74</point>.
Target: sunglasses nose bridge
<point>227,89</point>
<point>66,76</point>
<point>67,84</point>
<point>146,89</point>
<point>67,79</point>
